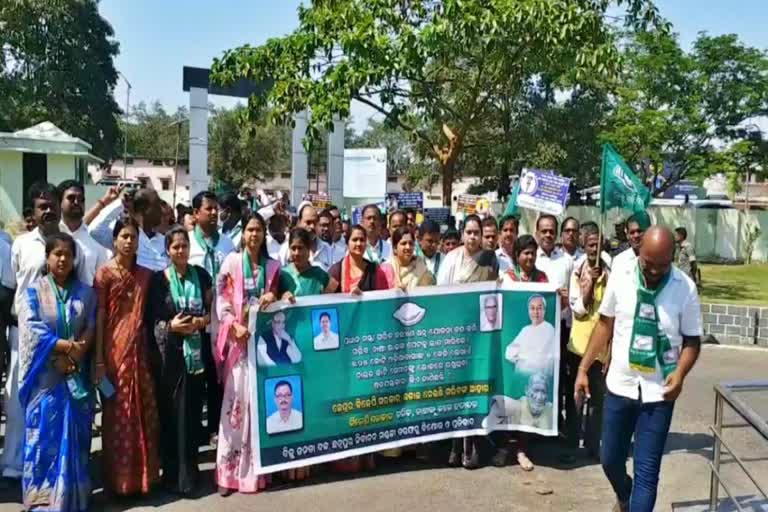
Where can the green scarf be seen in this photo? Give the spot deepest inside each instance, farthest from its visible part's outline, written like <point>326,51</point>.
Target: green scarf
<point>188,298</point>
<point>64,329</point>
<point>253,290</point>
<point>209,246</point>
<point>649,343</point>
<point>519,275</point>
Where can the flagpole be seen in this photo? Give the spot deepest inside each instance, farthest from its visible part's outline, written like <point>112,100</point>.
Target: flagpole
<point>600,226</point>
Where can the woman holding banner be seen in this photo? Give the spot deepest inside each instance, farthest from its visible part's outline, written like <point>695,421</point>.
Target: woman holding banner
<point>300,279</point>
<point>177,317</point>
<point>406,271</point>
<point>356,275</point>
<point>468,263</point>
<point>247,278</point>
<point>523,271</point>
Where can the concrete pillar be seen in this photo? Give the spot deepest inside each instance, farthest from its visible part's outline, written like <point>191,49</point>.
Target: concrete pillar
<point>299,159</point>
<point>336,163</point>
<point>198,141</point>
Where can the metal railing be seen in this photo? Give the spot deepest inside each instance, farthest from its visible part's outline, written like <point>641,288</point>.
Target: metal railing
<point>726,393</point>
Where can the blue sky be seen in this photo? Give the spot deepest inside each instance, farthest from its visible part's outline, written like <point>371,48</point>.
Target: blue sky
<point>157,38</point>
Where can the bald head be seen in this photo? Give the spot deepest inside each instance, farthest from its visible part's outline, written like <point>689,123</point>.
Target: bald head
<point>656,254</point>
<point>658,240</point>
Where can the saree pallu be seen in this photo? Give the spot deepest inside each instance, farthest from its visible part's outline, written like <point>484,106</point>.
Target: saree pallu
<point>408,276</point>
<point>458,268</point>
<point>57,427</point>
<point>130,458</point>
<point>234,458</point>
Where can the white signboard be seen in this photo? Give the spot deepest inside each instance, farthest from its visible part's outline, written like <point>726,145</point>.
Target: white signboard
<point>365,172</point>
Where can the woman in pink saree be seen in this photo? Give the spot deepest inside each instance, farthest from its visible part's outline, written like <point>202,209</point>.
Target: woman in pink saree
<point>246,278</point>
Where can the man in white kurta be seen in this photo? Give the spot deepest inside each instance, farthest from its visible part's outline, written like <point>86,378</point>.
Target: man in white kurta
<point>535,347</point>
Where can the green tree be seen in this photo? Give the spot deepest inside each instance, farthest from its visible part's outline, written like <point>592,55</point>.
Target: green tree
<point>246,150</point>
<point>658,115</point>
<point>154,133</point>
<point>430,68</point>
<point>56,64</point>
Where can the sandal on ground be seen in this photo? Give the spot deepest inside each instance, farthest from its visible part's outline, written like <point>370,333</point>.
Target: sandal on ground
<point>524,461</point>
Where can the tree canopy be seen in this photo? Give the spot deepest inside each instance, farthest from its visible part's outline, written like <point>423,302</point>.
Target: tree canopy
<point>56,64</point>
<point>433,69</point>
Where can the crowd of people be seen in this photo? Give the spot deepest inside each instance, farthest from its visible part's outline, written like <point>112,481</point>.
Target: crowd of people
<point>149,306</point>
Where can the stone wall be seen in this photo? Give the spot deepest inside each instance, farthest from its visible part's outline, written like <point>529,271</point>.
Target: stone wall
<point>736,325</point>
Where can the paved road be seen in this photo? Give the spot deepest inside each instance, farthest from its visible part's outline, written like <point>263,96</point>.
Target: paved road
<point>410,485</point>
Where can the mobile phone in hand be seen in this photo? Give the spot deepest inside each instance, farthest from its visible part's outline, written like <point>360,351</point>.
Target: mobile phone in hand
<point>106,388</point>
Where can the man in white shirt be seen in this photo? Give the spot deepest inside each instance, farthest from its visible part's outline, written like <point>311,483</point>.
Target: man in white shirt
<point>91,254</point>
<point>339,244</point>
<point>570,239</point>
<point>207,249</point>
<point>640,404</point>
<point>378,250</point>
<point>429,245</point>
<point>231,217</point>
<point>505,254</point>
<point>285,418</point>
<point>144,207</point>
<point>325,232</point>
<point>636,226</point>
<point>320,253</point>
<point>534,349</point>
<point>326,339</point>
<point>558,266</point>
<point>275,235</point>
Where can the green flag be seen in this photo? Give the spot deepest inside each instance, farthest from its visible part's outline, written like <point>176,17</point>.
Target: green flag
<point>511,208</point>
<point>619,187</point>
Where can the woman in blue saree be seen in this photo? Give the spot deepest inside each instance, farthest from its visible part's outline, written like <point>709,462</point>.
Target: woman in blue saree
<point>57,316</point>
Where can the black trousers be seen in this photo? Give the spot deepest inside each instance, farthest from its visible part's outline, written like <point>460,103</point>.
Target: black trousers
<point>214,391</point>
<point>578,426</point>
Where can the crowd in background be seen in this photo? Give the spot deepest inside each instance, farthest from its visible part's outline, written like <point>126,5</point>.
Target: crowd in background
<point>149,305</point>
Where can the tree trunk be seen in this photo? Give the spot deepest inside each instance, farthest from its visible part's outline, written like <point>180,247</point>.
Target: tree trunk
<point>447,172</point>
<point>447,156</point>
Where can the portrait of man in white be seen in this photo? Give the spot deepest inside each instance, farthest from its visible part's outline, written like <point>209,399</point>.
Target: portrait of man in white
<point>326,339</point>
<point>533,349</point>
<point>490,312</point>
<point>286,418</point>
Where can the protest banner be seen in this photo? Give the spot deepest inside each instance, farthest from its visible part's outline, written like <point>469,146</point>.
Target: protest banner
<point>405,201</point>
<point>319,201</point>
<point>439,215</point>
<point>467,203</point>
<point>543,191</point>
<point>336,376</point>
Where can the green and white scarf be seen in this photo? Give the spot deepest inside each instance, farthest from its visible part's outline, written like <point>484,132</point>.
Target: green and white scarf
<point>209,246</point>
<point>188,297</point>
<point>649,343</point>
<point>75,382</point>
<point>253,288</point>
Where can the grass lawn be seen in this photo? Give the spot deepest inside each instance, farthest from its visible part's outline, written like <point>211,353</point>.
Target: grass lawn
<point>735,284</point>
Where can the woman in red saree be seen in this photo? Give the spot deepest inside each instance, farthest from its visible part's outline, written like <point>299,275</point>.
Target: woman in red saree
<point>130,425</point>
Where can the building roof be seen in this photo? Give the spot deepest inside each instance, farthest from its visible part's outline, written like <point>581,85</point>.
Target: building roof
<point>46,138</point>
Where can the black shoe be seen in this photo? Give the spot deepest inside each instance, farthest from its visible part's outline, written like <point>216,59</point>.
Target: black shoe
<point>500,458</point>
<point>224,492</point>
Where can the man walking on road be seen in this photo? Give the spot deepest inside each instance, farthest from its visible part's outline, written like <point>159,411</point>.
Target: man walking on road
<point>656,341</point>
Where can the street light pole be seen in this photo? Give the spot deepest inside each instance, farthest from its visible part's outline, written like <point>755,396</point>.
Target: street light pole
<point>125,124</point>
